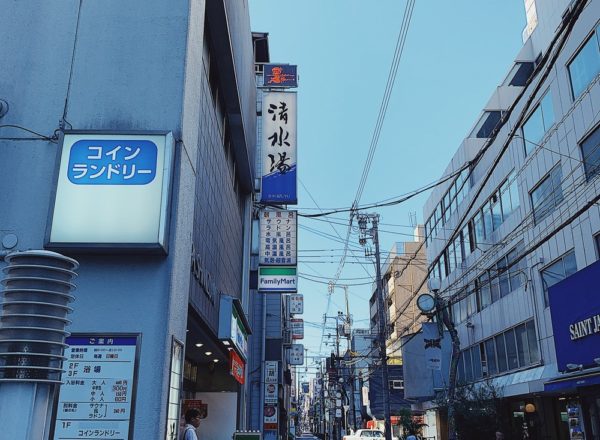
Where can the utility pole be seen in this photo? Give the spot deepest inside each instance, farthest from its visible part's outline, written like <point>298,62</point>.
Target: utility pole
<point>443,318</point>
<point>372,233</point>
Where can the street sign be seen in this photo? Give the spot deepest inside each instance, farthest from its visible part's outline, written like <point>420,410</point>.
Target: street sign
<point>297,326</point>
<point>296,304</point>
<point>296,354</point>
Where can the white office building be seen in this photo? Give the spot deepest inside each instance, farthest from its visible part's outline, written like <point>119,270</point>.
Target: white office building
<point>514,236</point>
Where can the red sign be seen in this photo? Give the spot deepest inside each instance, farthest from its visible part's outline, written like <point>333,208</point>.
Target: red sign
<point>236,367</point>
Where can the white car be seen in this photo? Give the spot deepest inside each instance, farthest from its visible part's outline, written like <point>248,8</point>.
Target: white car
<point>367,434</point>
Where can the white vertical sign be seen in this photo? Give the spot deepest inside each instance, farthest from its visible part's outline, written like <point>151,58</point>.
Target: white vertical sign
<point>296,304</point>
<point>279,148</point>
<point>296,354</point>
<point>278,238</point>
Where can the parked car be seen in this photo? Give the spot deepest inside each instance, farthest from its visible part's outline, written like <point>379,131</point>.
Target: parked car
<point>367,434</point>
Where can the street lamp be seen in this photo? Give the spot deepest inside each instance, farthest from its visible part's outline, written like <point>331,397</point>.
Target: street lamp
<point>440,311</point>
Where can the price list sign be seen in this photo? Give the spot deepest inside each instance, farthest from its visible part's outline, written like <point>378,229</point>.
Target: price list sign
<point>96,396</point>
<point>278,234</point>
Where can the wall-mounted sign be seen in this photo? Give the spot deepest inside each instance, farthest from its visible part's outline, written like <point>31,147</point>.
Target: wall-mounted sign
<point>277,279</point>
<point>278,238</point>
<point>270,416</point>
<point>297,326</point>
<point>296,304</point>
<point>233,326</point>
<point>236,367</point>
<point>279,148</point>
<point>270,393</point>
<point>280,75</point>
<point>97,393</point>
<point>432,343</point>
<point>575,311</point>
<point>296,354</point>
<point>271,370</point>
<point>112,192</point>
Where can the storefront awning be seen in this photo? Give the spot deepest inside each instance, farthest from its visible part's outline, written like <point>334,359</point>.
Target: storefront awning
<point>573,381</point>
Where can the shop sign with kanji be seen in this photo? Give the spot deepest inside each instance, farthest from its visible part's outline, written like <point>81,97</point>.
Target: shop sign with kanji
<point>278,238</point>
<point>279,149</point>
<point>95,399</point>
<point>280,75</point>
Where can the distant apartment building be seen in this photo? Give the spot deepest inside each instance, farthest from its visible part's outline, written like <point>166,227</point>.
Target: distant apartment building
<point>405,272</point>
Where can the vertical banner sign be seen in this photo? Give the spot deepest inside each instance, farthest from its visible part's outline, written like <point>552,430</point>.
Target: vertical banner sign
<point>433,346</point>
<point>296,354</point>
<point>279,148</point>
<point>278,238</point>
<point>270,400</point>
<point>237,367</point>
<point>297,326</point>
<point>97,391</point>
<point>296,304</point>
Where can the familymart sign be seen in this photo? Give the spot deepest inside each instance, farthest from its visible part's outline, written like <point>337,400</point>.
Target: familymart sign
<point>277,279</point>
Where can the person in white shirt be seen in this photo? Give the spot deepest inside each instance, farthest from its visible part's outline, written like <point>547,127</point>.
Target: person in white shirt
<point>192,420</point>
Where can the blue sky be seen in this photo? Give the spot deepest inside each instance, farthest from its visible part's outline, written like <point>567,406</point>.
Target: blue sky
<point>456,53</point>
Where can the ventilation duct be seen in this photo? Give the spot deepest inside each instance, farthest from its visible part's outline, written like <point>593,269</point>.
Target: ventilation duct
<point>36,292</point>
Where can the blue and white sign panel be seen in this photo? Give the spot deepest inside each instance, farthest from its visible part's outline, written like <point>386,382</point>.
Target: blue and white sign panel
<point>575,311</point>
<point>112,191</point>
<point>95,399</point>
<point>279,148</point>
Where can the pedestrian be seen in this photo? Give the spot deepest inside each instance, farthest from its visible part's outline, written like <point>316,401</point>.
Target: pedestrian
<point>192,421</point>
<point>411,436</point>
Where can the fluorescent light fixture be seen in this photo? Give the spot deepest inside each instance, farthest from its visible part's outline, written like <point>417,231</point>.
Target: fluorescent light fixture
<point>199,344</point>
<point>215,360</point>
<point>208,353</point>
<point>225,342</point>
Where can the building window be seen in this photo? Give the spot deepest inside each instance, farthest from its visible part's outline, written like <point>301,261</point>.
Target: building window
<point>562,268</point>
<point>519,74</point>
<point>547,195</point>
<point>590,149</point>
<point>585,66</point>
<point>538,123</point>
<point>510,350</point>
<point>487,125</point>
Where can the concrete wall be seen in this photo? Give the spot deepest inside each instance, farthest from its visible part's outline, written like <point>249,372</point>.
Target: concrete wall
<point>126,66</point>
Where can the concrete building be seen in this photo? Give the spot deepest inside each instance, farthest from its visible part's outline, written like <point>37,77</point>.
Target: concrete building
<point>183,72</point>
<point>404,270</point>
<point>519,216</point>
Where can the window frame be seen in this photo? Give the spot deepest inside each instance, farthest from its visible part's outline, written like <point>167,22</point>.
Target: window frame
<point>545,286</point>
<point>539,106</point>
<point>549,176</point>
<point>593,33</point>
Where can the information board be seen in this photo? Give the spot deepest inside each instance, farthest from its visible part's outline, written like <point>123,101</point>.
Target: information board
<point>97,394</point>
<point>278,238</point>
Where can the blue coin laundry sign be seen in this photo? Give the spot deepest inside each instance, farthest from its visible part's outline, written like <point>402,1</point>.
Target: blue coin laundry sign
<point>112,162</point>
